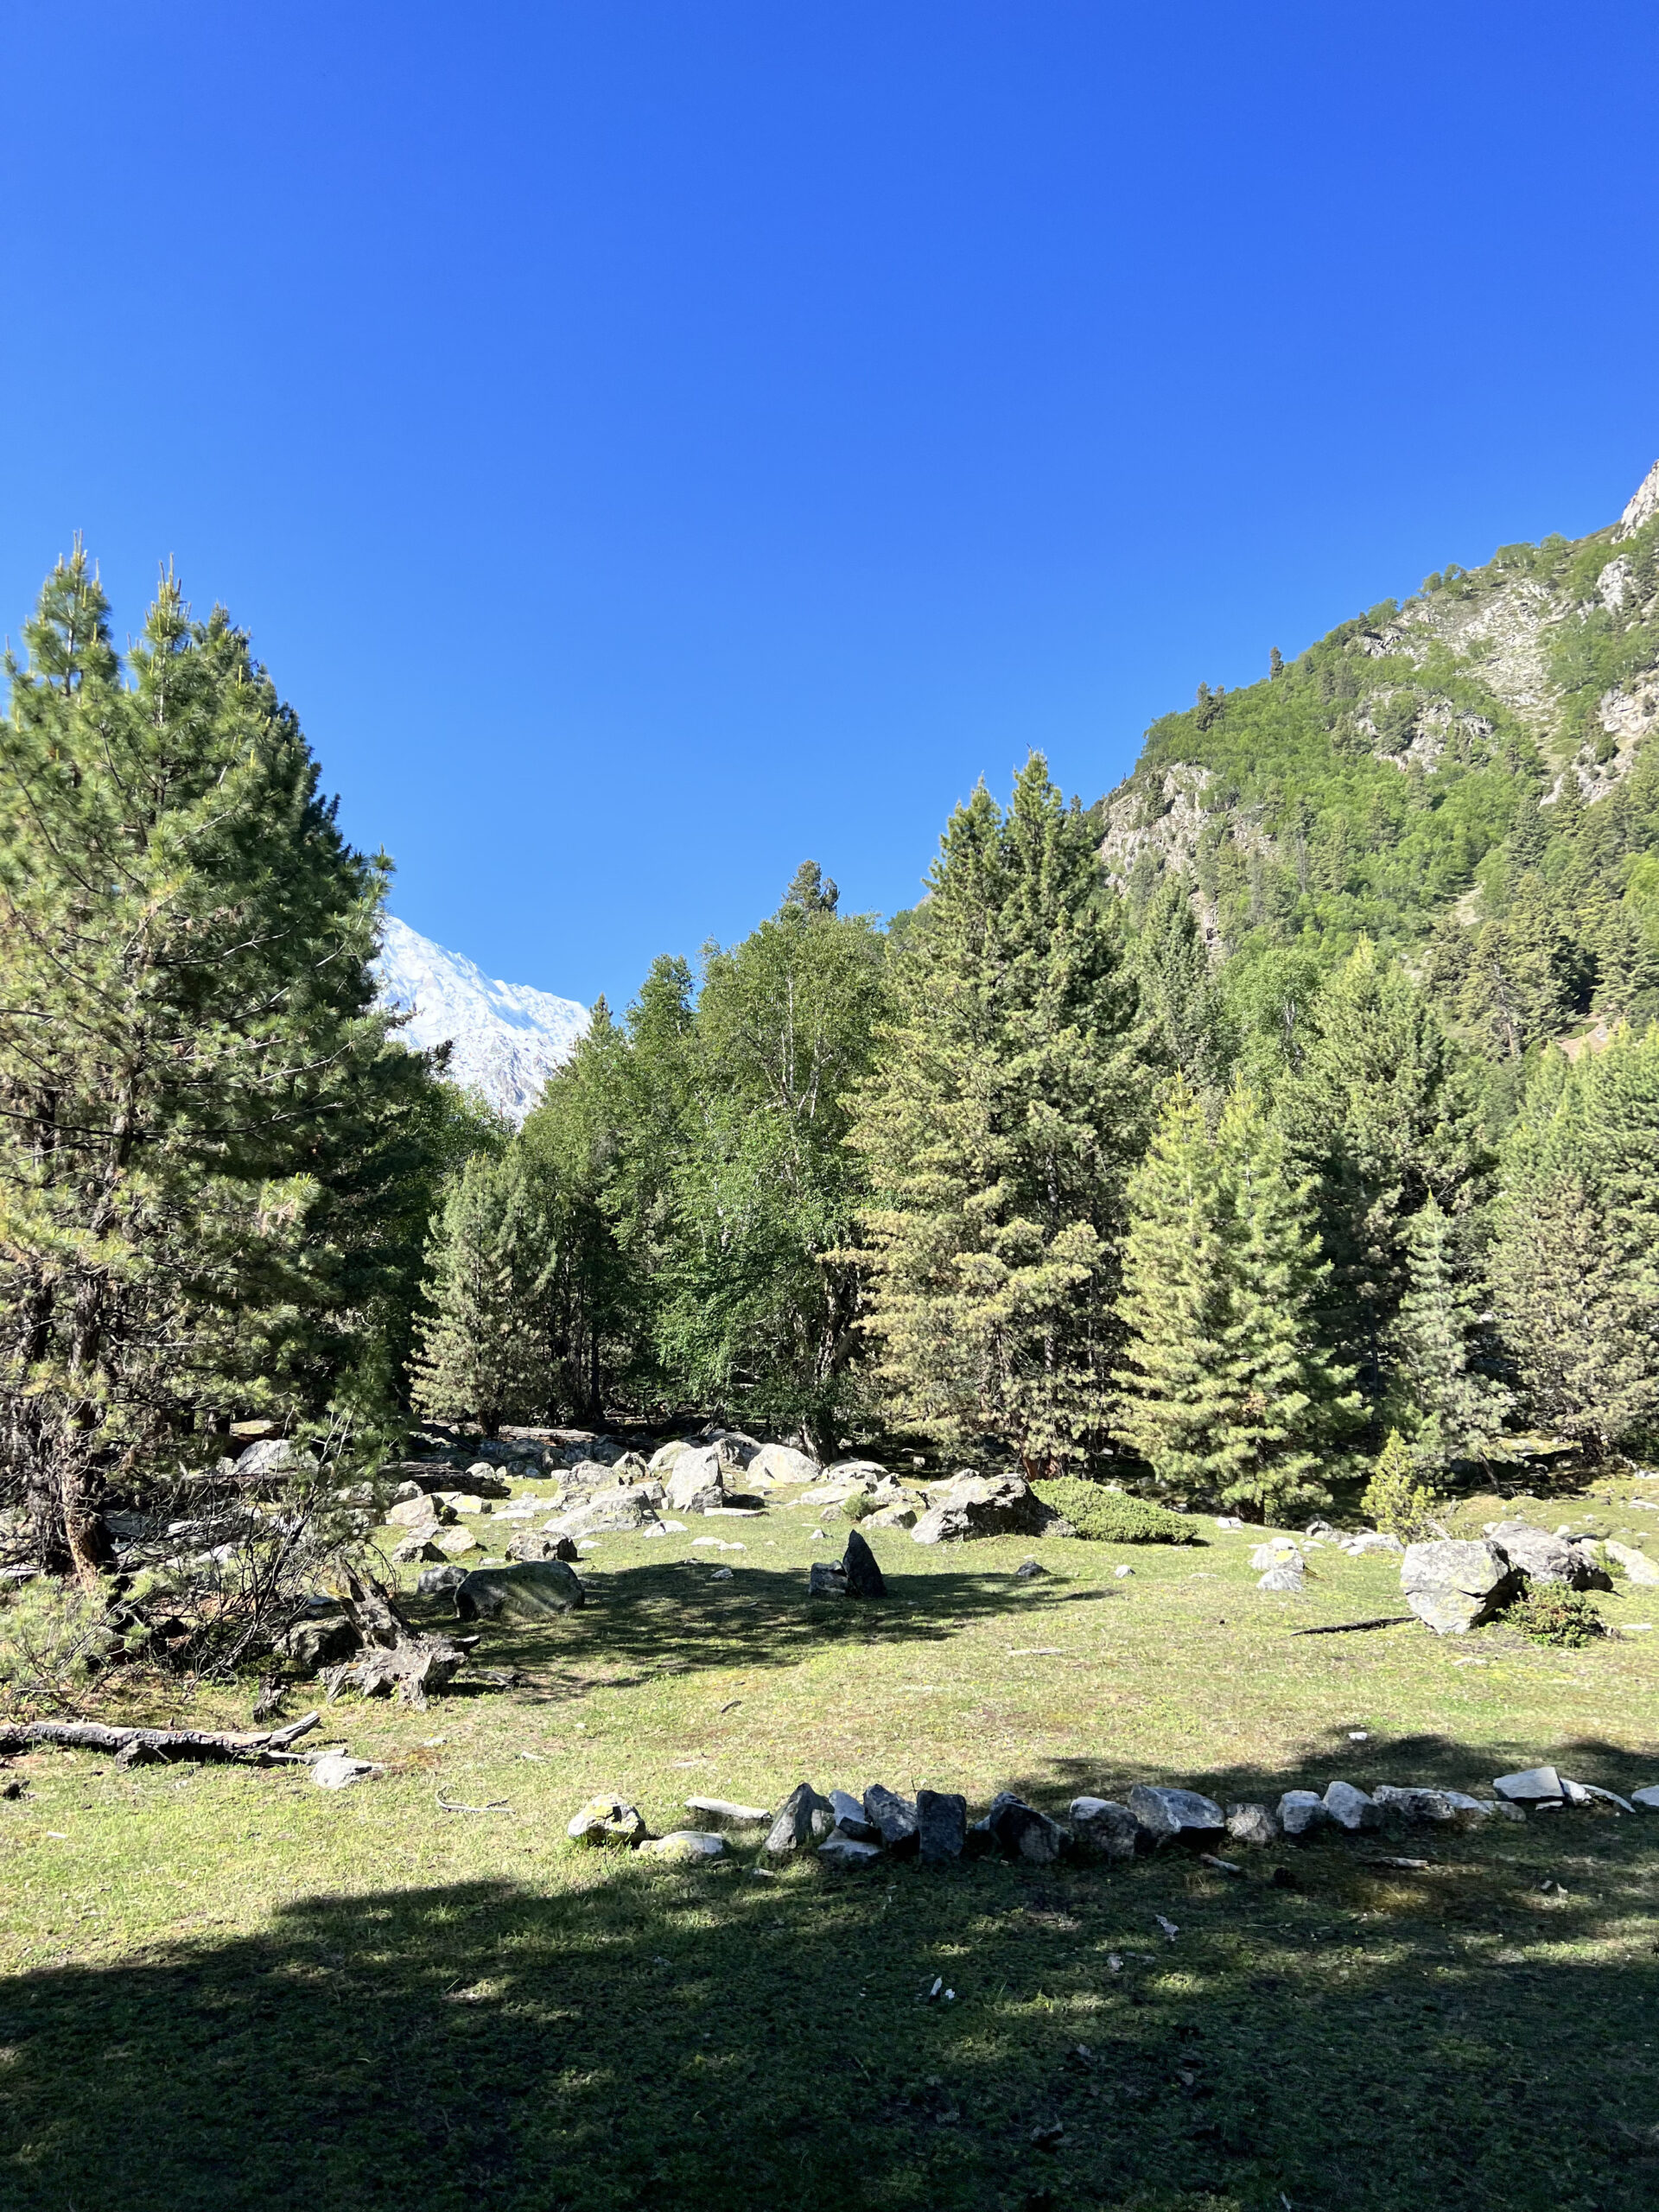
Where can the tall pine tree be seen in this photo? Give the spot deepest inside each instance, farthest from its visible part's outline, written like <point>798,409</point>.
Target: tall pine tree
<point>998,1132</point>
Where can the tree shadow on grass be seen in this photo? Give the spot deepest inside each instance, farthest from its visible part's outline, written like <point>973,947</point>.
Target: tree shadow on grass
<point>644,1620</point>
<point>1372,2037</point>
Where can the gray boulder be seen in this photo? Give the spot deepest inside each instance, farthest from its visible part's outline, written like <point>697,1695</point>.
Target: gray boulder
<point>1646,1800</point>
<point>437,1579</point>
<point>1434,1808</point>
<point>1301,1811</point>
<point>719,1813</point>
<point>1020,1832</point>
<point>984,1505</point>
<point>338,1770</point>
<point>485,1481</point>
<point>1372,1539</point>
<point>419,1511</point>
<point>1638,1566</point>
<point>1544,1558</point>
<point>904,1515</point>
<point>1102,1828</point>
<point>610,1512</point>
<point>1350,1809</point>
<point>781,1463</point>
<point>696,1480</point>
<point>941,1825</point>
<point>804,1818</point>
<point>1289,1575</point>
<point>1274,1554</point>
<point>1454,1585</point>
<point>1251,1823</point>
<point>420,1544</point>
<point>1167,1816</point>
<point>824,1579</point>
<point>893,1817</point>
<point>536,1544</point>
<point>272,1460</point>
<point>532,1590</point>
<point>864,1577</point>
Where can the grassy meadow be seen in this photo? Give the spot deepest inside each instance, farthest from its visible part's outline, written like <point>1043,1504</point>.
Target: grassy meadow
<point>229,1988</point>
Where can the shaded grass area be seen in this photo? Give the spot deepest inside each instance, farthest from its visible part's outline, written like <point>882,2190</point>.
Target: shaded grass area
<point>229,1988</point>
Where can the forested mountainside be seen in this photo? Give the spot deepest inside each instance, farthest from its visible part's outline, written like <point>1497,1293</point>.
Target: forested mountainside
<point>1462,779</point>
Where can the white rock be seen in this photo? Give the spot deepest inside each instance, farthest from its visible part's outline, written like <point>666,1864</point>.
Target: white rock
<point>338,1770</point>
<point>1646,1800</point>
<point>1529,1785</point>
<point>1119,1573</point>
<point>1302,1810</point>
<point>1351,1809</point>
<point>688,1847</point>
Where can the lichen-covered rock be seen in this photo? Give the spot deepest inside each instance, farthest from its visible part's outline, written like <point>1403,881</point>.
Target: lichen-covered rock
<point>984,1505</point>
<point>531,1590</point>
<point>1454,1585</point>
<point>1638,1566</point>
<point>610,1512</point>
<point>608,1820</point>
<point>686,1848</point>
<point>893,1817</point>
<point>1544,1558</point>
<point>1102,1828</point>
<point>1251,1823</point>
<point>1351,1810</point>
<point>419,1511</point>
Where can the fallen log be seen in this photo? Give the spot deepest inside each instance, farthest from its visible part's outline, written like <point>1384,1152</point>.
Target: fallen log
<point>1348,1628</point>
<point>157,1746</point>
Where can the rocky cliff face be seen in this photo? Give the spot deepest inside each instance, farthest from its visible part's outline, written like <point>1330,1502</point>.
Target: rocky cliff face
<point>1558,643</point>
<point>507,1038</point>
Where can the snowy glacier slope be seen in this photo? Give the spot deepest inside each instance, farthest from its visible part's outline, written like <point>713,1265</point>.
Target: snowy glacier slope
<point>507,1038</point>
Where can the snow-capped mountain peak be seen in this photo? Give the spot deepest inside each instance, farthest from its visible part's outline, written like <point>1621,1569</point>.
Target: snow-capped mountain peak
<point>508,1038</point>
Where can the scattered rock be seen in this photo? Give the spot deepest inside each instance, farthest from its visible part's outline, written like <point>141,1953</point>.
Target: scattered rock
<point>1228,1520</point>
<point>1029,1569</point>
<point>1021,1832</point>
<point>1646,1800</point>
<point>783,1463</point>
<point>1301,1811</point>
<point>1532,1785</point>
<point>1372,1539</point>
<point>840,1849</point>
<point>319,1643</point>
<point>686,1848</point>
<point>824,1579</point>
<point>531,1590</point>
<point>664,1458</point>
<point>419,1512</point>
<point>338,1770</point>
<point>1455,1586</point>
<point>610,1512</point>
<point>420,1544</point>
<point>1274,1552</point>
<point>1350,1809</point>
<point>538,1544</point>
<point>719,1813</point>
<point>455,1543</point>
<point>893,1817</point>
<point>1251,1823</point>
<point>1287,1576</point>
<point>942,1826</point>
<point>984,1505</point>
<point>273,1459</point>
<point>850,1817</point>
<point>1436,1807</point>
<point>608,1820</point>
<point>696,1481</point>
<point>437,1579</point>
<point>485,1481</point>
<point>1638,1566</point>
<point>1544,1558</point>
<point>863,1577</point>
<point>902,1515</point>
<point>804,1818</point>
<point>1103,1828</point>
<point>1176,1816</point>
<point>1122,1574</point>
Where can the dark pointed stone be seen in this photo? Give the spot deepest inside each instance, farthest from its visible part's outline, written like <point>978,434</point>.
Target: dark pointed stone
<point>895,1816</point>
<point>864,1577</point>
<point>942,1825</point>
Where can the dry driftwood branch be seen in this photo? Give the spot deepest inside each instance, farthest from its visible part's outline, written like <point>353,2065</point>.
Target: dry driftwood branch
<point>145,1746</point>
<point>394,1658</point>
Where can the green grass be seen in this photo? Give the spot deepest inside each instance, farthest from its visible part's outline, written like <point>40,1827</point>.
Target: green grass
<point>228,1988</point>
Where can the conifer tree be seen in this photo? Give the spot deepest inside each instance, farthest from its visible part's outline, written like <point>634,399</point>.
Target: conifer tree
<point>482,1353</point>
<point>197,1091</point>
<point>1447,1407</point>
<point>998,1132</point>
<point>1225,1387</point>
<point>1179,992</point>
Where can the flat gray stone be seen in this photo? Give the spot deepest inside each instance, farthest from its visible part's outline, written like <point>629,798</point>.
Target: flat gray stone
<point>941,1825</point>
<point>686,1848</point>
<point>893,1817</point>
<point>719,1813</point>
<point>1289,1576</point>
<point>1647,1800</point>
<point>850,1817</point>
<point>1531,1785</point>
<point>1353,1810</point>
<point>338,1770</point>
<point>840,1849</point>
<point>1638,1566</point>
<point>1167,1816</point>
<point>1301,1811</point>
<point>1453,1586</point>
<point>1372,1539</point>
<point>1102,1828</point>
<point>1251,1823</point>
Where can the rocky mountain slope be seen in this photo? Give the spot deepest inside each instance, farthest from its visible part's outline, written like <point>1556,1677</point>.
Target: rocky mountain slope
<point>1368,784</point>
<point>507,1038</point>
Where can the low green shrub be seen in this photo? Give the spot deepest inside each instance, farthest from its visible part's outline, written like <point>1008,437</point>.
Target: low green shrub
<point>1396,1500</point>
<point>1111,1516</point>
<point>1551,1613</point>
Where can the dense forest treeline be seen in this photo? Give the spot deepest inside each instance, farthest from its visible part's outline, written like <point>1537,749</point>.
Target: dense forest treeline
<point>1207,1138</point>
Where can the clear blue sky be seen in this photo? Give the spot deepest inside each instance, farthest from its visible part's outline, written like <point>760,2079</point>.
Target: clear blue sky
<point>652,443</point>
